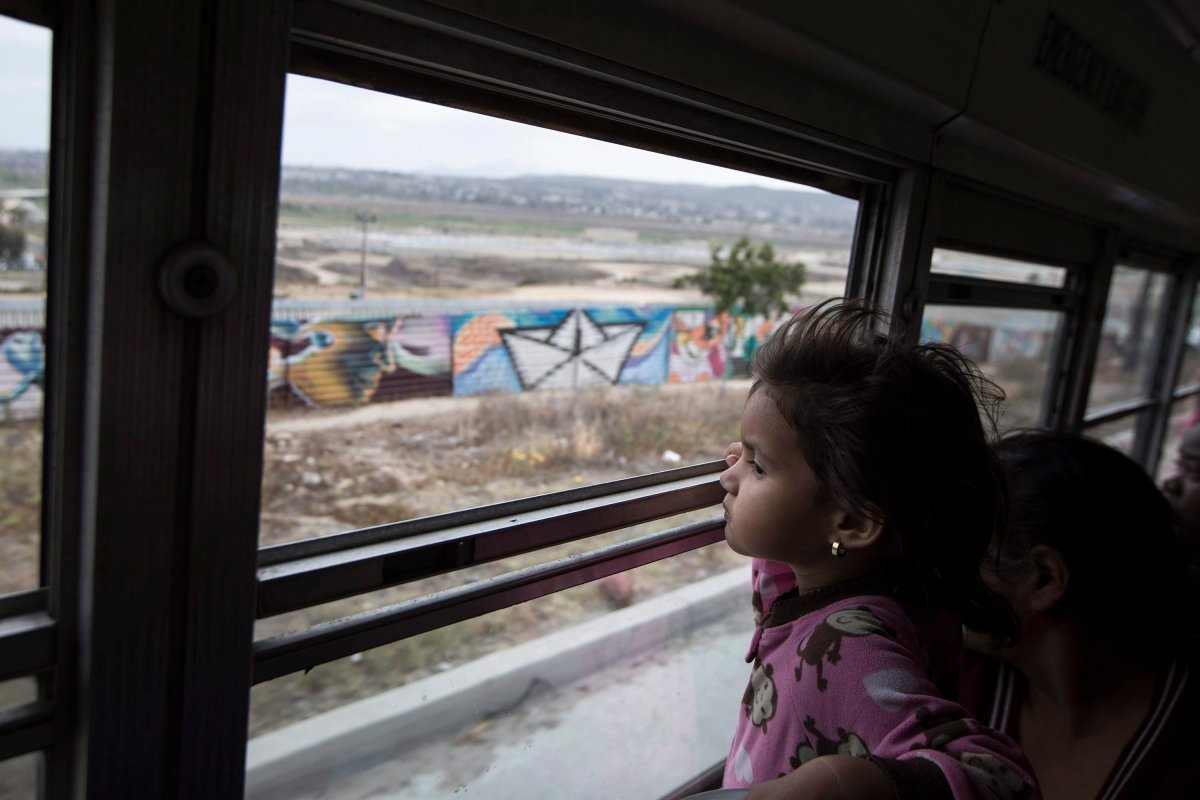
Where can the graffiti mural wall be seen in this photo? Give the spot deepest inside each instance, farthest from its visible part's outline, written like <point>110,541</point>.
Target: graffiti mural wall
<point>709,346</point>
<point>22,373</point>
<point>344,360</point>
<point>340,362</point>
<point>993,344</point>
<point>515,351</point>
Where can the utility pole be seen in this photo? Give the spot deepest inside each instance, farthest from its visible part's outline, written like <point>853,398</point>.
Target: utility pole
<point>366,218</point>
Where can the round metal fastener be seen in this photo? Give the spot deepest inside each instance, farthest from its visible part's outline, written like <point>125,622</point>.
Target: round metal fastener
<point>196,280</point>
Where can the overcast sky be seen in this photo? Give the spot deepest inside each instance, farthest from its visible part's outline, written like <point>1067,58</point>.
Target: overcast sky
<point>328,124</point>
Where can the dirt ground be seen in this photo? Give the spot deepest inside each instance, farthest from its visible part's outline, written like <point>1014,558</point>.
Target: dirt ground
<point>331,471</point>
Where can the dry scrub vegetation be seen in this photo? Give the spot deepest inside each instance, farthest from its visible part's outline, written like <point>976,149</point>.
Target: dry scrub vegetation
<point>509,446</point>
<point>20,504</point>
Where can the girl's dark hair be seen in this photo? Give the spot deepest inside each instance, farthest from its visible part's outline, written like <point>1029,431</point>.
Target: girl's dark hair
<point>1110,522</point>
<point>898,434</point>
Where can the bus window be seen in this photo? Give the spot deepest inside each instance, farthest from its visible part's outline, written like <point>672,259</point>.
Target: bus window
<point>598,674</point>
<point>973,265</point>
<point>20,777</point>
<point>1013,347</point>
<point>1120,434</point>
<point>24,138</point>
<point>470,310</point>
<point>1132,319</point>
<point>1185,412</point>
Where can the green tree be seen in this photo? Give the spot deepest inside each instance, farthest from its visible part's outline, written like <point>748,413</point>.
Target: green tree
<point>750,277</point>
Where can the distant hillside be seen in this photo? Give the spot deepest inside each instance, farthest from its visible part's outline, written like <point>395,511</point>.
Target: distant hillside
<point>641,201</point>
<point>638,203</point>
<point>23,169</point>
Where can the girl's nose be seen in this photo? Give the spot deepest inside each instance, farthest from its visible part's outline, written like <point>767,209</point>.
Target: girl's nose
<point>1171,485</point>
<point>728,481</point>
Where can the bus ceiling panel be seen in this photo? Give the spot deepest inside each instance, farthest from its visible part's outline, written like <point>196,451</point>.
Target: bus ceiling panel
<point>441,56</point>
<point>1101,86</point>
<point>324,578</point>
<point>975,220</point>
<point>977,154</point>
<point>1182,18</point>
<point>882,75</point>
<point>329,641</point>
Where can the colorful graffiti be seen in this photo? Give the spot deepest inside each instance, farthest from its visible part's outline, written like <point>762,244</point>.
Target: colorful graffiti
<point>988,343</point>
<point>566,348</point>
<point>707,346</point>
<point>337,362</point>
<point>22,372</point>
<point>346,361</point>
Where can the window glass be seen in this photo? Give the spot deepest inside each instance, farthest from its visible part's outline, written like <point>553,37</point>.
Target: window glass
<point>1013,347</point>
<point>489,706</point>
<point>1125,361</point>
<point>956,262</point>
<point>1189,367</point>
<point>470,310</point>
<point>17,692</point>
<point>20,777</point>
<point>1185,413</point>
<point>1119,433</point>
<point>24,138</point>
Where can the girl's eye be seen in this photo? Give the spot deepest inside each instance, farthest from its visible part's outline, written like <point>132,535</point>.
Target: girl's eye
<point>757,469</point>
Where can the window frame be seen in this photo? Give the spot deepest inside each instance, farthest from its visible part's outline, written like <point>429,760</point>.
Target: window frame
<point>1153,408</point>
<point>189,679</point>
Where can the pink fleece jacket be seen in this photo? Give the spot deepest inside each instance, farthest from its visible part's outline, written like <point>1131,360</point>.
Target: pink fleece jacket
<point>846,670</point>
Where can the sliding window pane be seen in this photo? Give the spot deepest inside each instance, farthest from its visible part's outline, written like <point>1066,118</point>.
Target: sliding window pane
<point>21,777</point>
<point>1189,368</point>
<point>972,265</point>
<point>1125,361</point>
<point>1185,413</point>
<point>1119,433</point>
<point>470,310</point>
<point>1012,346</point>
<point>24,138</point>
<point>498,704</point>
<point>17,692</point>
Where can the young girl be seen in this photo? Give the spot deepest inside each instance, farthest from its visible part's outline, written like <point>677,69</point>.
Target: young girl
<point>866,492</point>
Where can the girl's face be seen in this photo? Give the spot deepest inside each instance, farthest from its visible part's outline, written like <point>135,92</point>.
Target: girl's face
<point>772,509</point>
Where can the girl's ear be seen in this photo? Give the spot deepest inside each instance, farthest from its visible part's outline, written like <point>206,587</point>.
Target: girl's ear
<point>855,532</point>
<point>1050,578</point>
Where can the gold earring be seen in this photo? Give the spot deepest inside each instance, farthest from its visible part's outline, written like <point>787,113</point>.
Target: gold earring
<point>837,550</point>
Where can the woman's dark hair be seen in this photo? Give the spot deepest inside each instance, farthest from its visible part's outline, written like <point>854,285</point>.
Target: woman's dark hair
<point>897,433</point>
<point>1110,522</point>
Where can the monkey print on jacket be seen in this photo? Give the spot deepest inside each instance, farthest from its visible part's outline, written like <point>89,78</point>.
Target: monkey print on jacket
<point>842,671</point>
